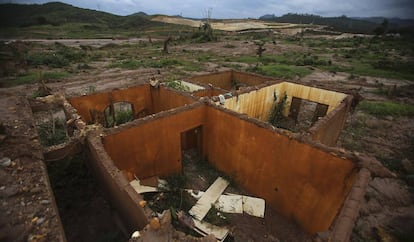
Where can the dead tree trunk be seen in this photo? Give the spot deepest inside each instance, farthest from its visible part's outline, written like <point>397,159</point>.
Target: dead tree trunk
<point>166,42</point>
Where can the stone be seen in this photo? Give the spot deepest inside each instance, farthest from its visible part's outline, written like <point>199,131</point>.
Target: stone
<point>40,221</point>
<point>44,202</point>
<point>9,191</point>
<point>5,162</point>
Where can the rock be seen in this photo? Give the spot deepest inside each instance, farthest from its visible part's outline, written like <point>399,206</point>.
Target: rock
<point>35,190</point>
<point>5,162</point>
<point>44,202</point>
<point>135,235</point>
<point>40,221</point>
<point>9,191</point>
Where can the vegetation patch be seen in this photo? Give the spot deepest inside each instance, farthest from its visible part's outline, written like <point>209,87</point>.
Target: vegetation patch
<point>177,85</point>
<point>386,108</point>
<point>33,77</point>
<point>150,63</point>
<point>52,132</point>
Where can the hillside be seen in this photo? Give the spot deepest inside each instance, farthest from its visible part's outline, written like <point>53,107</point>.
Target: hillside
<point>342,24</point>
<point>56,13</point>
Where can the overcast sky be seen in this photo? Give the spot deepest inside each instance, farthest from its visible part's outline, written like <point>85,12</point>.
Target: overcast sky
<point>246,8</point>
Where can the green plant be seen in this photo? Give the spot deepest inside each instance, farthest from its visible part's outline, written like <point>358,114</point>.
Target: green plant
<point>204,34</point>
<point>177,85</point>
<point>52,132</point>
<point>121,117</point>
<point>124,116</point>
<point>276,114</point>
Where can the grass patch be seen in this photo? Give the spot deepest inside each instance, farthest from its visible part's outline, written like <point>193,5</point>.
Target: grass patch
<point>386,108</point>
<point>33,77</point>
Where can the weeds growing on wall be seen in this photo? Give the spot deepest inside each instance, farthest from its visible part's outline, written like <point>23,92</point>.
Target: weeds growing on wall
<point>52,132</point>
<point>121,117</point>
<point>276,114</point>
<point>177,85</point>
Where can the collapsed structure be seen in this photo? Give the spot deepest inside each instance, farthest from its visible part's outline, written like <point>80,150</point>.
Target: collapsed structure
<point>224,116</point>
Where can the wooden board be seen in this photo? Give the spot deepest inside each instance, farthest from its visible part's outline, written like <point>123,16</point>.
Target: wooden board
<point>203,205</point>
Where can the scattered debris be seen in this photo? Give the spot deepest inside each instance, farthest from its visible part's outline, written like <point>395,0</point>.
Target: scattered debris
<point>140,187</point>
<point>233,203</point>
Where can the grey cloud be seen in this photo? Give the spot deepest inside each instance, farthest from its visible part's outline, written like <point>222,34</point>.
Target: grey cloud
<point>247,8</point>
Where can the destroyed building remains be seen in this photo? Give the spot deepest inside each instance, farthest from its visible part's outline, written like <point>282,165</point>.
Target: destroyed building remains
<point>225,118</point>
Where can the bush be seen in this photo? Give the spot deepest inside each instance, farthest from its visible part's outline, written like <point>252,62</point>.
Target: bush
<point>124,116</point>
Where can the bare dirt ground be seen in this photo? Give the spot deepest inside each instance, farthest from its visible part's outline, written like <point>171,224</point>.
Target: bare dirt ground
<point>226,25</point>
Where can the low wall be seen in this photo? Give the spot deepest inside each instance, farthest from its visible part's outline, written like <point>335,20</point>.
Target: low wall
<point>220,79</point>
<point>152,147</point>
<point>143,97</point>
<point>139,97</point>
<point>328,129</point>
<point>330,98</point>
<point>249,78</point>
<point>115,185</point>
<point>256,103</point>
<point>226,79</point>
<point>163,99</point>
<point>305,184</point>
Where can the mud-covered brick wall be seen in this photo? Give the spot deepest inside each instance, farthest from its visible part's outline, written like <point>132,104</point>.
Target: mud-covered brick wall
<point>116,186</point>
<point>139,97</point>
<point>249,79</point>
<point>328,129</point>
<point>303,183</point>
<point>153,148</point>
<point>209,92</point>
<point>330,98</point>
<point>256,104</point>
<point>221,79</point>
<point>228,79</point>
<point>163,99</point>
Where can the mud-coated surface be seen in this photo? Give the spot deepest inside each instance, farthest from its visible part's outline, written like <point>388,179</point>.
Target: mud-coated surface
<point>27,206</point>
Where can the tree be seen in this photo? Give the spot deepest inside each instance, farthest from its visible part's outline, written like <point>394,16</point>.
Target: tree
<point>383,28</point>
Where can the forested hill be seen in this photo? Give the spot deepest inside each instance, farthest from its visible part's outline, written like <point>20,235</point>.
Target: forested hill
<point>56,13</point>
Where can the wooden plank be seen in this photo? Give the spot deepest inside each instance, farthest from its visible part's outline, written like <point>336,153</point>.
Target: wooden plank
<point>254,206</point>
<point>201,208</point>
<point>140,188</point>
<point>205,228</point>
<point>230,204</point>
